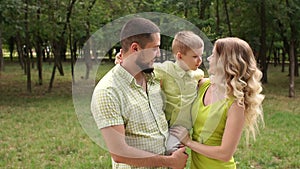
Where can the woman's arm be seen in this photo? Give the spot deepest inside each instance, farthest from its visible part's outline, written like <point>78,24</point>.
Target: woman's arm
<point>121,152</point>
<point>230,140</point>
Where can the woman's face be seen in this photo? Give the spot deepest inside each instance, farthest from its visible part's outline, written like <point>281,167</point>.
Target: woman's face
<point>212,63</point>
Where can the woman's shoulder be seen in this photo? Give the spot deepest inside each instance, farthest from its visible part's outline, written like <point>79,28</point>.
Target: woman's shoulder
<point>203,81</point>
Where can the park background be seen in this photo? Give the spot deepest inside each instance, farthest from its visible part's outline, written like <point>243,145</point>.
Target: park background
<point>40,41</point>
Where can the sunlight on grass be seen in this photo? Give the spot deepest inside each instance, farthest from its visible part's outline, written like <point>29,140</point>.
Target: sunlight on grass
<point>41,129</point>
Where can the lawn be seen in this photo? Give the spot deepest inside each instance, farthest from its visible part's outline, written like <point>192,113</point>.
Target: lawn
<point>42,130</point>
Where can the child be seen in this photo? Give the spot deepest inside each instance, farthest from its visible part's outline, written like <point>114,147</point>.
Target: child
<point>179,81</point>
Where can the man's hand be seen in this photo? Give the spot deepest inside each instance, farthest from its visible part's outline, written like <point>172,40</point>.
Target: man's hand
<point>180,158</point>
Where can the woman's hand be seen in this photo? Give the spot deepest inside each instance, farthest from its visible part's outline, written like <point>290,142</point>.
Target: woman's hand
<point>181,133</point>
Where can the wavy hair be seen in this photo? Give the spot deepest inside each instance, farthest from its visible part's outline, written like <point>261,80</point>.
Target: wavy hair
<point>237,74</point>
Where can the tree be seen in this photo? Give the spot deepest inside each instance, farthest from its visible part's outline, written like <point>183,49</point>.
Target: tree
<point>1,52</point>
<point>38,45</point>
<point>27,58</point>
<point>63,24</point>
<point>292,47</point>
<point>87,56</point>
<point>227,17</point>
<point>59,43</point>
<point>1,25</point>
<point>263,45</point>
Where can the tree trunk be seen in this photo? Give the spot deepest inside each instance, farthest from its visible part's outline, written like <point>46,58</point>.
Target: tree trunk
<point>56,53</point>
<point>87,59</point>
<point>20,50</point>
<point>11,46</point>
<point>263,45</point>
<point>217,18</point>
<point>227,18</point>
<point>292,69</point>
<point>57,50</point>
<point>72,53</point>
<point>292,49</point>
<point>1,53</point>
<point>39,50</point>
<point>28,68</point>
<point>39,58</point>
<point>52,78</point>
<point>202,7</point>
<point>87,55</point>
<point>59,47</point>
<point>186,8</point>
<point>60,56</point>
<point>31,57</point>
<point>296,60</point>
<point>283,60</point>
<point>269,52</point>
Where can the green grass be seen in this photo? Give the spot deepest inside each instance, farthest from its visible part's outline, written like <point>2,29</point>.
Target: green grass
<point>41,129</point>
<point>278,144</point>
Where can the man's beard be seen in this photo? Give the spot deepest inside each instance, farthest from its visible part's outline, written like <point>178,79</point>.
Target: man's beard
<point>149,70</point>
<point>144,67</point>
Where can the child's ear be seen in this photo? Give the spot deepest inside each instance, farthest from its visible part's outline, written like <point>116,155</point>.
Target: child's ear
<point>178,55</point>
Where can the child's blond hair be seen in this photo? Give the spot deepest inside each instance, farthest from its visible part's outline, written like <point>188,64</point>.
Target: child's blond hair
<point>185,41</point>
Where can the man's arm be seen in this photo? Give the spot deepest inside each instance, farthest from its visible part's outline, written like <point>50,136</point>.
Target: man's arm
<point>121,152</point>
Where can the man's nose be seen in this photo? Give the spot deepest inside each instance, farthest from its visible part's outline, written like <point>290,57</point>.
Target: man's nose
<point>158,52</point>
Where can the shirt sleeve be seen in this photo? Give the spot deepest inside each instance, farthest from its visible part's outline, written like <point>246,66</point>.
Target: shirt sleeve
<point>159,71</point>
<point>105,108</point>
<point>198,74</point>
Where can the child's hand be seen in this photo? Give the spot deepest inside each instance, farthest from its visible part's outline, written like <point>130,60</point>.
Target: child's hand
<point>198,74</point>
<point>181,133</point>
<point>118,59</point>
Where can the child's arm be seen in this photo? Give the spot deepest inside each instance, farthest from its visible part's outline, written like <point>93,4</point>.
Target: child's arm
<point>118,58</point>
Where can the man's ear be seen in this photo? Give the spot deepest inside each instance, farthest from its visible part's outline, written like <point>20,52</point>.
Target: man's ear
<point>134,47</point>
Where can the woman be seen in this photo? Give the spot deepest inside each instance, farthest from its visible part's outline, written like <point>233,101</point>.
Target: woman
<point>228,102</point>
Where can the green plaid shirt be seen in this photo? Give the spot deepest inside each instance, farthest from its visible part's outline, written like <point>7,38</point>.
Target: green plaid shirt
<point>118,100</point>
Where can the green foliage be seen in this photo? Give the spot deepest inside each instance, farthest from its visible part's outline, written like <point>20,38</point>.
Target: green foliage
<point>244,17</point>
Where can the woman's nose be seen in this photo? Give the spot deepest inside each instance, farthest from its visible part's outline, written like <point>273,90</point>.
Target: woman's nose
<point>209,58</point>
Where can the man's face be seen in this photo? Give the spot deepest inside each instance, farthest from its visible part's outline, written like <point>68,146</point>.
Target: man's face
<point>147,56</point>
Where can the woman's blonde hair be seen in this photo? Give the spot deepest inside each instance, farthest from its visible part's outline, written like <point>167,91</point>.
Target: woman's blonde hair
<point>238,75</point>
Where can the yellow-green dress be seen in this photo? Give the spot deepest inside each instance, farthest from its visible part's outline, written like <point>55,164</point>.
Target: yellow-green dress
<point>208,129</point>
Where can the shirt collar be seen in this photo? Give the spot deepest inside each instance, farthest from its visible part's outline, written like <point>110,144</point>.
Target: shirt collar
<point>129,79</point>
<point>182,72</point>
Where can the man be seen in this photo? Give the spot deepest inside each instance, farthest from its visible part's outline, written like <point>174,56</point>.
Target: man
<point>127,104</point>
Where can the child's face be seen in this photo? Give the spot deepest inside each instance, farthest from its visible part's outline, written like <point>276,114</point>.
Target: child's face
<point>192,58</point>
